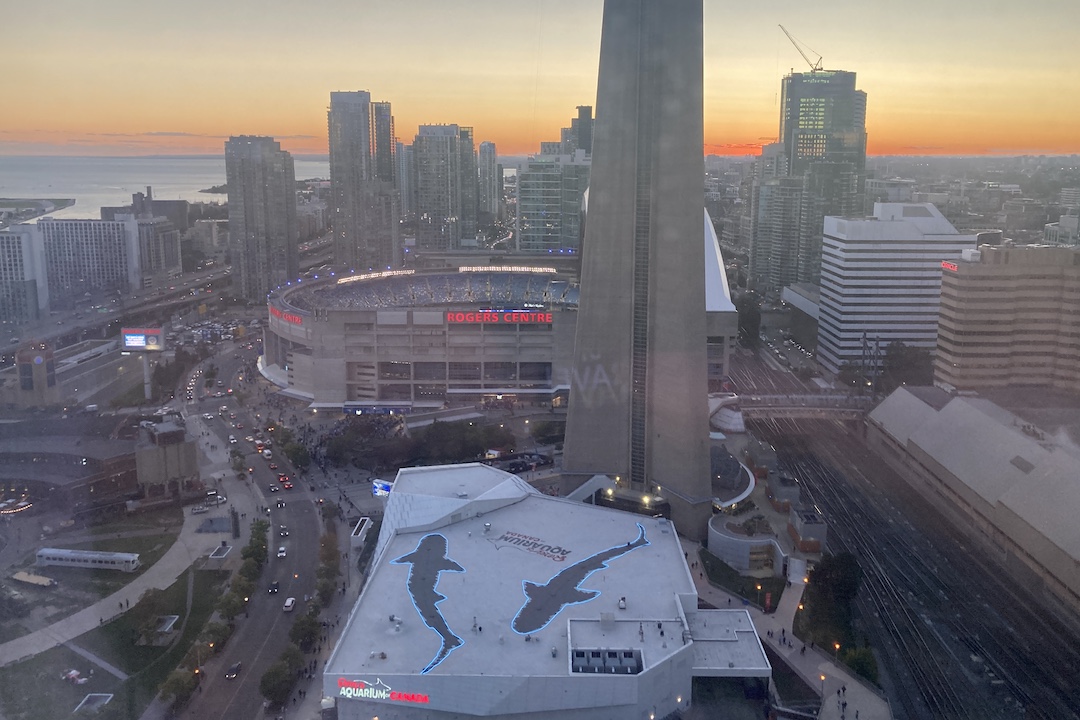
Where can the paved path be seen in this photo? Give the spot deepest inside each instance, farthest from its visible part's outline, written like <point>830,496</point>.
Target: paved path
<point>839,685</point>
<point>188,547</point>
<point>107,667</point>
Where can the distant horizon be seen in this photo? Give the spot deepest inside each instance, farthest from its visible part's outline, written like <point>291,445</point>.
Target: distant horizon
<point>519,156</point>
<point>119,79</point>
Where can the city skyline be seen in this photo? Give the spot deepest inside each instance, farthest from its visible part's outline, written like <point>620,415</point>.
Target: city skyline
<point>119,78</point>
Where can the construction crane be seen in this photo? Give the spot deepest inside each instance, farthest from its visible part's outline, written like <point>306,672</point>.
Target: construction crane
<point>814,66</point>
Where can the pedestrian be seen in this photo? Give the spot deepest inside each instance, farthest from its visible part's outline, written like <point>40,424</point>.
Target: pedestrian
<point>843,689</point>
<point>121,607</point>
<point>127,602</point>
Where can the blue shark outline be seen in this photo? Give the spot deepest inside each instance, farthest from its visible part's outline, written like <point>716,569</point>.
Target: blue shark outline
<point>426,564</point>
<point>559,584</point>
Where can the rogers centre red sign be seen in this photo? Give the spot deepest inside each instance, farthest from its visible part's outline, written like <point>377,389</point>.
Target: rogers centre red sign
<point>479,318</point>
<point>287,317</point>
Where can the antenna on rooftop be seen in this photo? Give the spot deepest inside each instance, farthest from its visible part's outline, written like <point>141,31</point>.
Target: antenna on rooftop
<point>815,66</point>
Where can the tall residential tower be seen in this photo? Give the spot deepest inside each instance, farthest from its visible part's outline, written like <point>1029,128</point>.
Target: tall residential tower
<point>262,215</point>
<point>363,205</point>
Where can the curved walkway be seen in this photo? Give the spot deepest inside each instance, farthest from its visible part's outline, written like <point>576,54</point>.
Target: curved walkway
<point>840,685</point>
<point>188,547</point>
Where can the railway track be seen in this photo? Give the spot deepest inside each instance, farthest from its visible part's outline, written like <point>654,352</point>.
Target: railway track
<point>957,640</point>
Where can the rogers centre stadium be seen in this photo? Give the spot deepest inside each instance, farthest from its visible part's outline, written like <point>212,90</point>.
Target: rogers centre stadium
<point>402,340</point>
<point>407,340</point>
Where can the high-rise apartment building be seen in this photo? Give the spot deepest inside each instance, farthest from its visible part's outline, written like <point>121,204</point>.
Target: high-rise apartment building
<point>24,287</point>
<point>405,179</point>
<point>822,117</point>
<point>774,252</point>
<point>881,280</point>
<point>638,405</point>
<point>441,154</point>
<point>470,187</point>
<point>490,182</point>
<point>829,188</point>
<point>384,143</point>
<point>550,192</point>
<point>262,215</point>
<point>1010,316</point>
<point>582,127</point>
<point>90,257</point>
<point>822,142</point>
<point>363,201</point>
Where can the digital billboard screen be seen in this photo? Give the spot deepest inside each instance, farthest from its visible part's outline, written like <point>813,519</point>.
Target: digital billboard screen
<point>141,339</point>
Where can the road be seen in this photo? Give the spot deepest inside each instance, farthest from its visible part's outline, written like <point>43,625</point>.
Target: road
<point>262,632</point>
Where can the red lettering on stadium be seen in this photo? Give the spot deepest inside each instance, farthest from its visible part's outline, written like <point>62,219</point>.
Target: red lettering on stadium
<point>479,318</point>
<point>287,317</point>
<point>945,264</point>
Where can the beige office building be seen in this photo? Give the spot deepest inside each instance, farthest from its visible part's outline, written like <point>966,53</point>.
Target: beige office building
<point>1010,316</point>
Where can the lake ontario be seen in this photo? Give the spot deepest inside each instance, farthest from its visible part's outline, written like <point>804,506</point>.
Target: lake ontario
<point>95,182</point>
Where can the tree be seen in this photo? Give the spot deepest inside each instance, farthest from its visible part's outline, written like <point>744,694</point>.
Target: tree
<point>305,631</point>
<point>179,686</point>
<point>298,455</point>
<point>862,661</point>
<point>547,432</point>
<point>325,589</point>
<point>217,634</point>
<point>230,605</point>
<point>250,569</point>
<point>293,658</point>
<point>903,365</point>
<point>276,684</point>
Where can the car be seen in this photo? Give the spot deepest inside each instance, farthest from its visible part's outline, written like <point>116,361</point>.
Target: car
<point>249,439</point>
<point>207,416</point>
<point>232,416</point>
<point>233,671</point>
<point>275,488</point>
<point>290,603</point>
<point>274,587</point>
<point>239,426</point>
<point>287,485</point>
<point>273,466</point>
<point>281,503</point>
<point>281,551</point>
<point>283,531</point>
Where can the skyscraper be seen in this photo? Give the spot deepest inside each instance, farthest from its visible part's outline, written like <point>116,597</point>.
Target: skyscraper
<point>437,155</point>
<point>823,145</point>
<point>822,117</point>
<point>489,182</point>
<point>364,205</point>
<point>638,399</point>
<point>384,145</point>
<point>550,190</point>
<point>405,179</point>
<point>582,127</point>
<point>470,185</point>
<point>262,215</point>
<point>24,288</point>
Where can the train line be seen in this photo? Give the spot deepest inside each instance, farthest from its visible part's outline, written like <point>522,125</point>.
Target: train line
<point>964,643</point>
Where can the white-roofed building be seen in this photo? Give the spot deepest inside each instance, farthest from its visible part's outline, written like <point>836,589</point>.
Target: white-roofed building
<point>881,279</point>
<point>488,598</point>
<point>1001,476</point>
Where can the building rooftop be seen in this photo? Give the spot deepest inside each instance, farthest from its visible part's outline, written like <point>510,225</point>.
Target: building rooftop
<point>476,573</point>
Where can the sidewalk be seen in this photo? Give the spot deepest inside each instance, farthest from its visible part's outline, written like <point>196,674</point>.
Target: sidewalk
<point>190,545</point>
<point>840,684</point>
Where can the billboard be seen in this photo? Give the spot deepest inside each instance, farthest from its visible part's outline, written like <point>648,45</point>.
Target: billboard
<point>141,339</point>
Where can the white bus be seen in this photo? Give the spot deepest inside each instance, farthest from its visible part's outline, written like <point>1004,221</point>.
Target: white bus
<point>93,559</point>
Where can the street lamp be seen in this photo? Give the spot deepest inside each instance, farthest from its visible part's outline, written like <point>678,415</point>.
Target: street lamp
<point>759,594</point>
<point>822,687</point>
<point>836,647</point>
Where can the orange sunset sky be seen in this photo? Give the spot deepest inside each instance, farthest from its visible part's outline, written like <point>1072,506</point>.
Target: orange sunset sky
<point>117,77</point>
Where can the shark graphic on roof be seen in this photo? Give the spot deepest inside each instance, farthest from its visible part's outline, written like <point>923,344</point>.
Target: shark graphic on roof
<point>544,602</point>
<point>428,561</point>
